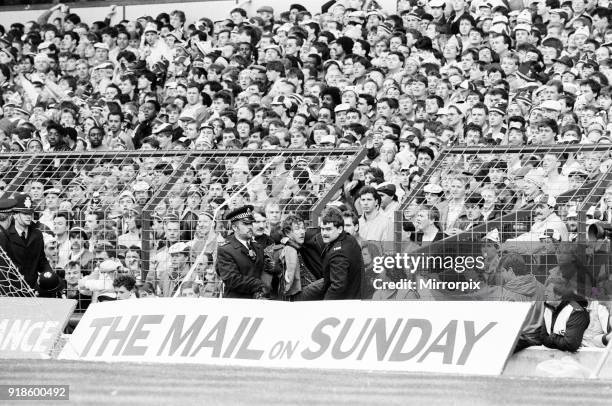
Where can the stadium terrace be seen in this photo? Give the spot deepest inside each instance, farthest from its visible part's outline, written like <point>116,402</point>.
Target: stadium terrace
<point>280,153</point>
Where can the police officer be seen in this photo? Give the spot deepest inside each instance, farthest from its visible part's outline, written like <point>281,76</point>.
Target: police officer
<point>342,262</point>
<point>26,247</point>
<point>240,260</point>
<point>6,212</point>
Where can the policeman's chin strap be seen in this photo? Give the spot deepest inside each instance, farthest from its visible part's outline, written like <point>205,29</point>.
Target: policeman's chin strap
<point>202,254</point>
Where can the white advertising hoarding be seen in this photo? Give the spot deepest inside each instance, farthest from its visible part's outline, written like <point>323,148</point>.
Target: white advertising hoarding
<point>450,337</point>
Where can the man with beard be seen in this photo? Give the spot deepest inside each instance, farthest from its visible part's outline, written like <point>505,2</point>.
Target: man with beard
<point>78,251</point>
<point>240,260</point>
<point>115,131</point>
<point>141,192</point>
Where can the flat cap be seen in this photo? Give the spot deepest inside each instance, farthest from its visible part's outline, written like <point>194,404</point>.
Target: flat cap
<point>179,248</point>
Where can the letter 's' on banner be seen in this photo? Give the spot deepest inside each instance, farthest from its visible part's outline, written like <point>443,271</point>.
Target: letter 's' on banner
<point>451,337</point>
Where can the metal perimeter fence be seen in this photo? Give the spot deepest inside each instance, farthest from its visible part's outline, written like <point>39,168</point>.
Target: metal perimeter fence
<point>134,206</point>
<point>550,204</point>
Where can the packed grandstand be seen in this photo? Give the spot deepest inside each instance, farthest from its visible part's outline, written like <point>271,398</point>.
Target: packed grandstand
<point>476,128</point>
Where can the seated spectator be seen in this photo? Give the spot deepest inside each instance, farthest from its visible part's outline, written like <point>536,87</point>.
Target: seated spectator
<point>530,190</point>
<point>545,218</point>
<point>598,334</point>
<point>565,321</point>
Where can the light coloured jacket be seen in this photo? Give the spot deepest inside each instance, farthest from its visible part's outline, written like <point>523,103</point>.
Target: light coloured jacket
<point>599,324</point>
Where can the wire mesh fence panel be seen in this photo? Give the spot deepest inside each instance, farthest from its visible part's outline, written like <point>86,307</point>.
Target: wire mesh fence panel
<point>12,283</point>
<point>546,203</point>
<point>190,216</point>
<point>113,213</point>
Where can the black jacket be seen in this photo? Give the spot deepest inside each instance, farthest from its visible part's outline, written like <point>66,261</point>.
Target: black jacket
<point>342,268</point>
<point>264,240</point>
<point>144,130</point>
<point>28,256</point>
<point>576,324</point>
<point>240,273</point>
<point>312,251</point>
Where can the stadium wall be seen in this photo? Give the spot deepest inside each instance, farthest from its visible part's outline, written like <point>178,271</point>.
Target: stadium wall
<point>215,10</point>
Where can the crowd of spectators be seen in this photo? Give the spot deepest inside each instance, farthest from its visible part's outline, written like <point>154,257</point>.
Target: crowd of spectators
<point>403,84</point>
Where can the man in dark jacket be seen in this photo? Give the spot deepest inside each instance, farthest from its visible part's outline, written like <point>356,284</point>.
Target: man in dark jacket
<point>312,251</point>
<point>148,113</point>
<point>25,242</point>
<point>240,260</point>
<point>259,229</point>
<point>6,217</point>
<point>564,324</point>
<point>342,263</point>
